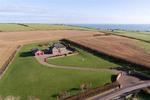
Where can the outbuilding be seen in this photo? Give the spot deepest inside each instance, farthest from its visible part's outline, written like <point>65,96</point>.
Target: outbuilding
<point>39,53</point>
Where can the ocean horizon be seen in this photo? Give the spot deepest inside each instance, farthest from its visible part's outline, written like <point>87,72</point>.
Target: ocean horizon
<point>128,27</point>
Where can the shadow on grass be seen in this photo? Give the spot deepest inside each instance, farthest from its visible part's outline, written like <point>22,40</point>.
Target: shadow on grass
<point>26,54</point>
<point>75,89</point>
<point>54,95</point>
<point>113,78</point>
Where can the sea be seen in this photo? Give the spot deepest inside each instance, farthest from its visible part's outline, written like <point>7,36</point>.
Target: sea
<point>128,27</point>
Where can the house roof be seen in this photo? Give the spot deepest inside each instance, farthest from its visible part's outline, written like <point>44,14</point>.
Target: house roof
<point>58,45</point>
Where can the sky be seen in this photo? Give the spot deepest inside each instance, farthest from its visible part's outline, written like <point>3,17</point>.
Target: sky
<point>75,11</point>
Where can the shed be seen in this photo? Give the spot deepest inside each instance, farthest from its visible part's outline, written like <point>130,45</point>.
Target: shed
<point>39,53</point>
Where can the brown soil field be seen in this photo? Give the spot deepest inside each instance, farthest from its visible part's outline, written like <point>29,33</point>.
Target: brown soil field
<point>10,40</point>
<point>116,46</point>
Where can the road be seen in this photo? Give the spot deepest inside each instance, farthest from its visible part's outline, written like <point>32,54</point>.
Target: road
<point>120,92</point>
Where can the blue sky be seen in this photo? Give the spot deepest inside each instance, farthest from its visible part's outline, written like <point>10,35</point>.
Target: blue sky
<point>75,11</point>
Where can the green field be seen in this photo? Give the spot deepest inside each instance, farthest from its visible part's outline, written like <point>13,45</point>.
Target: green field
<point>26,77</point>
<point>83,59</point>
<point>138,35</point>
<point>53,27</point>
<point>31,27</point>
<point>13,27</point>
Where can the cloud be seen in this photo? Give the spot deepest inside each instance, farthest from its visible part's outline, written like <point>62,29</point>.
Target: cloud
<point>22,10</point>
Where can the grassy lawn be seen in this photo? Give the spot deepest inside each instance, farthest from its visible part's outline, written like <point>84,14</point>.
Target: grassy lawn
<point>26,77</point>
<point>29,27</point>
<point>83,59</point>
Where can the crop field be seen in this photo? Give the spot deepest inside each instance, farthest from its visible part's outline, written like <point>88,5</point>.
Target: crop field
<point>27,36</point>
<point>119,47</point>
<point>83,59</point>
<point>25,77</point>
<point>5,52</point>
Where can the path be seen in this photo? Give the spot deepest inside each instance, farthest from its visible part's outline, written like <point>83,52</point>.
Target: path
<point>41,61</point>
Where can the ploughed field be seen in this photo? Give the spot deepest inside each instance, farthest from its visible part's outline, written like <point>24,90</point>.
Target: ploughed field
<point>118,47</point>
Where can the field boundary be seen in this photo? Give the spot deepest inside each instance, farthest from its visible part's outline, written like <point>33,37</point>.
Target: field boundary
<point>8,61</point>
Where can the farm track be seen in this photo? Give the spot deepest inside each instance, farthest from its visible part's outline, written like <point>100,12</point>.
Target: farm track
<point>41,61</point>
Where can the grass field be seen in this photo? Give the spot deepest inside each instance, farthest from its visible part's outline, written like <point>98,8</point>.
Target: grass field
<point>83,59</point>
<point>138,35</point>
<point>53,27</point>
<point>32,27</point>
<point>13,27</point>
<point>26,77</point>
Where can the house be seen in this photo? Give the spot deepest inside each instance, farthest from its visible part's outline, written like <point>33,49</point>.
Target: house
<point>59,49</point>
